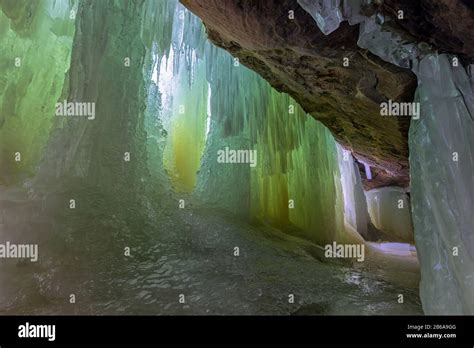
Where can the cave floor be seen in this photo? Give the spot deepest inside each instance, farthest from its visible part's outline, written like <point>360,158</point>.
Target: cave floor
<point>192,252</point>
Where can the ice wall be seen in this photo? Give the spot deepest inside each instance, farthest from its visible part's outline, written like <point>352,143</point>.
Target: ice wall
<point>298,169</point>
<point>36,42</point>
<point>389,210</point>
<point>232,90</point>
<point>106,71</point>
<point>297,159</point>
<point>296,164</point>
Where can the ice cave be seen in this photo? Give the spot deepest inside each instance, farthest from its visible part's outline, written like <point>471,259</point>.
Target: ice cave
<point>230,157</point>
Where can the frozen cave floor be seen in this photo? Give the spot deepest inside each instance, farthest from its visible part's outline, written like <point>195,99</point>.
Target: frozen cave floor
<point>191,251</point>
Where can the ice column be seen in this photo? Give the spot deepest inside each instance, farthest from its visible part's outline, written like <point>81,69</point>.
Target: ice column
<point>355,206</point>
<point>442,177</point>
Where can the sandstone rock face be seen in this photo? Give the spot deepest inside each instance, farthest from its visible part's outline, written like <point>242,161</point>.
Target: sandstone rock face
<point>282,42</point>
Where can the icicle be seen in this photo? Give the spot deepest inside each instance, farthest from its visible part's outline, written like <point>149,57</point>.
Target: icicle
<point>368,172</point>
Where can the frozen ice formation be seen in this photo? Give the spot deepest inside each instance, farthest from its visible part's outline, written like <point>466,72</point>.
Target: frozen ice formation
<point>376,35</point>
<point>36,49</point>
<point>441,158</point>
<point>389,210</point>
<point>329,14</point>
<point>355,205</point>
<point>442,185</point>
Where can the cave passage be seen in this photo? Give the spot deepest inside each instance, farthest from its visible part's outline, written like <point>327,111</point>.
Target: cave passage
<point>195,188</point>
